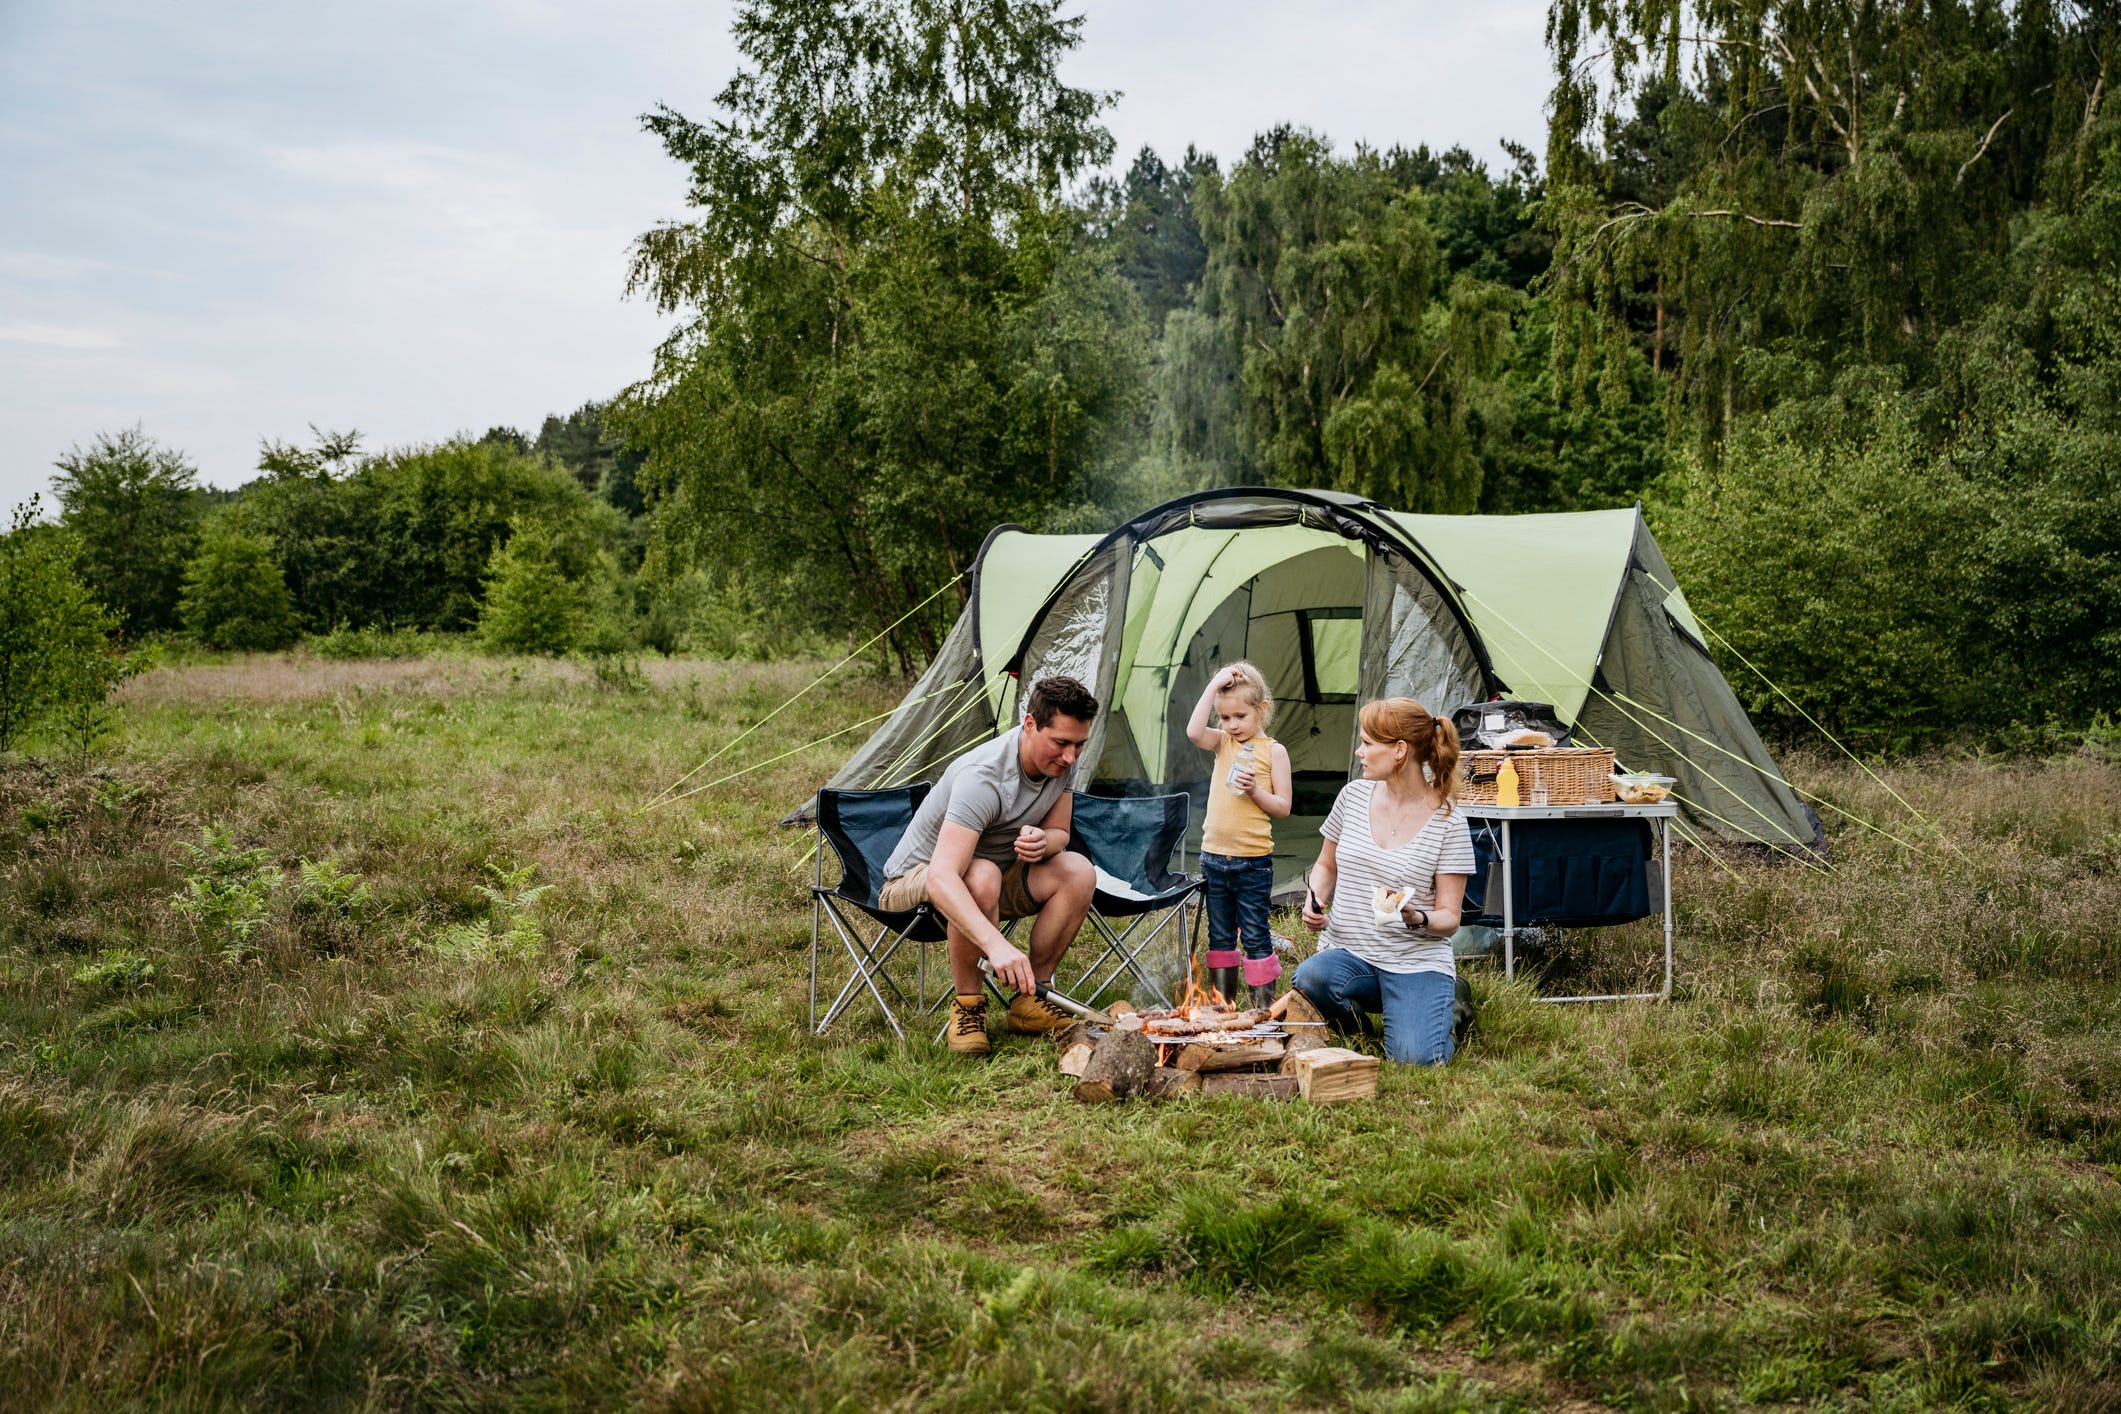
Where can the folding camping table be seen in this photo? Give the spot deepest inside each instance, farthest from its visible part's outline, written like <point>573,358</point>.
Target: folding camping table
<point>1660,816</point>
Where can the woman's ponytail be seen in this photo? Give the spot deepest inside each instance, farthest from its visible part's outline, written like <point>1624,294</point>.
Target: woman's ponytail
<point>1443,756</point>
<point>1431,740</point>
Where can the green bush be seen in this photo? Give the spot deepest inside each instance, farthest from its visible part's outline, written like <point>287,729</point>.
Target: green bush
<point>1897,586</point>
<point>371,641</point>
<point>115,968</point>
<point>531,606</point>
<point>235,595</point>
<point>406,537</point>
<point>56,660</point>
<point>324,888</point>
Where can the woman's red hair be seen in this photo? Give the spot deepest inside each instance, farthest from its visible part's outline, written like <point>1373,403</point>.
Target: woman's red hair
<point>1431,740</point>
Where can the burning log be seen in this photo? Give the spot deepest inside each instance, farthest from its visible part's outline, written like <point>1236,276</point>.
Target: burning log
<point>1239,1056</point>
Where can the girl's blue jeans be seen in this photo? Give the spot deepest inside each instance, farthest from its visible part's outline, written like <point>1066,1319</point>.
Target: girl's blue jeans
<point>1416,1005</point>
<point>1239,892</point>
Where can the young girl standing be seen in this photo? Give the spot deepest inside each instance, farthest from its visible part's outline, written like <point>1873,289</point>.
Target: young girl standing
<point>1249,790</point>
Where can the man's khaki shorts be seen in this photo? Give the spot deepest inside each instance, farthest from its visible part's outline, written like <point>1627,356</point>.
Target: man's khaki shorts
<point>910,889</point>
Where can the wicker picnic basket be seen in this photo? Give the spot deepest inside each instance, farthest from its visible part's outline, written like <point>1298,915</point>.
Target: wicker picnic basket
<point>1573,775</point>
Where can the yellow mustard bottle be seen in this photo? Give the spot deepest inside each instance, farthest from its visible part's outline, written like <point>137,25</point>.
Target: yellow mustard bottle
<point>1506,794</point>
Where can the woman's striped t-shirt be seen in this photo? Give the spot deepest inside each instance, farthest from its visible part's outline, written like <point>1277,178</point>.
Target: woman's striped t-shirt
<point>1443,845</point>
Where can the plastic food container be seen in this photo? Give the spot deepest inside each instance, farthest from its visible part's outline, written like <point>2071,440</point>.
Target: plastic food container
<point>1641,787</point>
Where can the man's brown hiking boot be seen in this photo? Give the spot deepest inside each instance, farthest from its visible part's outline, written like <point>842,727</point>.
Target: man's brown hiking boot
<point>967,1032</point>
<point>1028,1016</point>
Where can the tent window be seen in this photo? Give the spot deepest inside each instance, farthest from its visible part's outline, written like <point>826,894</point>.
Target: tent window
<point>1332,649</point>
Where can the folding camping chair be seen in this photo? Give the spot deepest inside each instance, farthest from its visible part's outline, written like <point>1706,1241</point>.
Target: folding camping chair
<point>863,827</point>
<point>1132,841</point>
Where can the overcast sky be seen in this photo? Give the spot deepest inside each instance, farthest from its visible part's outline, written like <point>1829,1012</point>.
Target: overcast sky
<point>228,220</point>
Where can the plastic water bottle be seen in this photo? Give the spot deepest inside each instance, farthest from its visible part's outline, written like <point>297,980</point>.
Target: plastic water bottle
<point>1243,762</point>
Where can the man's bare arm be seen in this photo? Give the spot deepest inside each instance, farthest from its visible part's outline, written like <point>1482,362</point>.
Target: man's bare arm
<point>947,889</point>
<point>1053,832</point>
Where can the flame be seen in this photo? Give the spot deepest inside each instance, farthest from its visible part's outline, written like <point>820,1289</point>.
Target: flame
<point>1196,995</point>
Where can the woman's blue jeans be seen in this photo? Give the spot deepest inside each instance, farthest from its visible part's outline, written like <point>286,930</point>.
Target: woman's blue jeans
<point>1416,1005</point>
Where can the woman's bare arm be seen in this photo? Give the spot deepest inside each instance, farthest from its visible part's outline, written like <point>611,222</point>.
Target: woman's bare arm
<point>1444,914</point>
<point>1323,876</point>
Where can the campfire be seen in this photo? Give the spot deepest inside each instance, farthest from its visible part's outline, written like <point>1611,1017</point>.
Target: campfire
<point>1206,1044</point>
<point>1204,1017</point>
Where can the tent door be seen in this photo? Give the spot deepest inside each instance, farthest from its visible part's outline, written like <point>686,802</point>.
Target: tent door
<point>1080,637</point>
<point>1411,644</point>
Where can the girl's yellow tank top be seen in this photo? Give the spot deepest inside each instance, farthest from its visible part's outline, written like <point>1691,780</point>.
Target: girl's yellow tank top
<point>1236,825</point>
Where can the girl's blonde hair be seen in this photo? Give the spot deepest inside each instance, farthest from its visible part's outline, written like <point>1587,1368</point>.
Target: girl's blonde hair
<point>1251,686</point>
<point>1432,740</point>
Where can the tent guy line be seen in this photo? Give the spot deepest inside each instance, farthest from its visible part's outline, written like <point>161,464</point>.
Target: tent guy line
<point>1592,688</point>
<point>1622,701</point>
<point>662,797</point>
<point>1864,766</point>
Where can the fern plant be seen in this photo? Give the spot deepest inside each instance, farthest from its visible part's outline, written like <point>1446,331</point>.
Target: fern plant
<point>227,891</point>
<point>512,928</point>
<point>324,888</point>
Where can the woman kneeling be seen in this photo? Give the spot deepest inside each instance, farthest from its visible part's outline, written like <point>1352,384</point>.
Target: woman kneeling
<point>1392,835</point>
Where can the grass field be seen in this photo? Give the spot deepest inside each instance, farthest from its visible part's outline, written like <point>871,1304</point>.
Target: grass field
<point>455,1143</point>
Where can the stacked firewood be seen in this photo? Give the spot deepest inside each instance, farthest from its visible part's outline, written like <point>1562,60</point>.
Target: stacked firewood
<point>1209,1049</point>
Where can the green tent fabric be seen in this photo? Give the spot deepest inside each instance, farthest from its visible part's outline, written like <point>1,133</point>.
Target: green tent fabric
<point>1339,601</point>
<point>1540,587</point>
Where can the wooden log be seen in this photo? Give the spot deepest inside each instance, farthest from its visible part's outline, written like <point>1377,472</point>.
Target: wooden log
<point>1123,1061</point>
<point>1296,1007</point>
<point>1075,1045</point>
<point>1119,1008</point>
<point>1196,1055</point>
<point>1258,1087</point>
<point>1075,1035</point>
<point>1330,1075</point>
<point>1293,1005</point>
<point>1094,1092</point>
<point>1168,1084</point>
<point>1076,1058</point>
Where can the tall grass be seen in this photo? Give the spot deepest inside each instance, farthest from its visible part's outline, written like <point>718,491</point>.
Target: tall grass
<point>1868,1159</point>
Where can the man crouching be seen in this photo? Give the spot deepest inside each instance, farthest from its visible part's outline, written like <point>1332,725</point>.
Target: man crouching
<point>990,843</point>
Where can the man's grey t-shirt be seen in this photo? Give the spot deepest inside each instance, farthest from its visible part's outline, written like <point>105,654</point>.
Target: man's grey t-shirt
<point>985,789</point>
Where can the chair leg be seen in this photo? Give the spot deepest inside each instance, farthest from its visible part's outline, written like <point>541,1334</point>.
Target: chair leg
<point>869,963</point>
<point>1114,946</point>
<point>1127,952</point>
<point>869,960</point>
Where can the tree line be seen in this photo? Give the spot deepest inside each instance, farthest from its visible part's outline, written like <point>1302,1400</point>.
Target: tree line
<point>1829,290</point>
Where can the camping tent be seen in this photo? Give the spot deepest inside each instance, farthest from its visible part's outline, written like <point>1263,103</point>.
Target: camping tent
<point>1339,601</point>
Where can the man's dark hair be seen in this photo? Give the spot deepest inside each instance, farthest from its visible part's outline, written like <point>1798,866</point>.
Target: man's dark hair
<point>1059,697</point>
